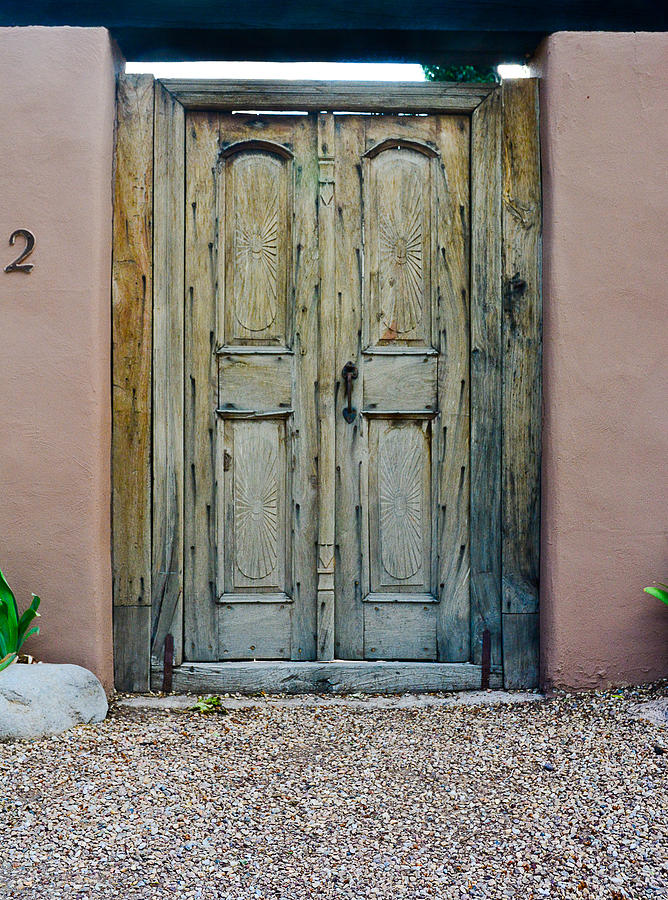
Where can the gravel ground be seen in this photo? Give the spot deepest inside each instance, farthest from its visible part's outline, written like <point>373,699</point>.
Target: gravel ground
<point>560,798</point>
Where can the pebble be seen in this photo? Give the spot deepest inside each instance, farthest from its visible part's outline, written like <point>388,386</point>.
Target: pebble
<point>293,802</point>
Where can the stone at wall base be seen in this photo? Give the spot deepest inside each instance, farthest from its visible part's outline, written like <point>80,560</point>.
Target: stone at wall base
<point>655,711</point>
<point>41,700</point>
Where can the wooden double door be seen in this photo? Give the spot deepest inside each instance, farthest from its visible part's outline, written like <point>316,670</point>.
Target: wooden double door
<point>326,384</point>
<point>326,387</point>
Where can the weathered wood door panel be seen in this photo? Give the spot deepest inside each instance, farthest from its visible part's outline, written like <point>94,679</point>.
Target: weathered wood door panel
<point>402,562</point>
<point>250,392</point>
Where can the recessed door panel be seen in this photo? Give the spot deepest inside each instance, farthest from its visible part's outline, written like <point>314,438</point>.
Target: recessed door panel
<point>256,206</point>
<point>397,252</point>
<point>255,497</point>
<point>399,506</point>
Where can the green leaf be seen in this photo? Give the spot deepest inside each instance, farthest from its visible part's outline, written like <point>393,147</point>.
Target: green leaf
<point>9,614</point>
<point>25,621</point>
<point>33,630</point>
<point>7,660</point>
<point>658,593</point>
<point>209,705</point>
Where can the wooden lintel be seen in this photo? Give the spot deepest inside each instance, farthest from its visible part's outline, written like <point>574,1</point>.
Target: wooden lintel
<point>316,96</point>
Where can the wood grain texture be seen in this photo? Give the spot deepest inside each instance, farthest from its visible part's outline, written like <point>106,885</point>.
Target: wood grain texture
<point>398,215</point>
<point>351,472</point>
<point>520,651</point>
<point>410,381</point>
<point>201,389</point>
<point>315,96</point>
<point>256,201</point>
<point>132,643</point>
<point>249,381</point>
<point>131,335</point>
<point>400,508</point>
<point>132,312</point>
<point>266,247</point>
<point>257,548</point>
<point>255,630</point>
<point>522,362</point>
<point>294,378</point>
<point>336,677</point>
<point>411,267</point>
<point>304,428</point>
<point>168,274</point>
<point>326,380</point>
<point>452,460</point>
<point>400,631</point>
<point>486,354</point>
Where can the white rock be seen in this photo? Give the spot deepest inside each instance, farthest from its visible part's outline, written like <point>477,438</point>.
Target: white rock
<point>655,711</point>
<point>45,699</point>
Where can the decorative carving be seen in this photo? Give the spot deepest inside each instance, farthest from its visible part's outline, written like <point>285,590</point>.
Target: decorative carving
<point>326,167</point>
<point>258,238</point>
<point>255,501</point>
<point>400,473</point>
<point>325,567</point>
<point>401,264</point>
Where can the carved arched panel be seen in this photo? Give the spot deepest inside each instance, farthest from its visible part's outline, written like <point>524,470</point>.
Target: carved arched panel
<point>257,512</point>
<point>398,246</point>
<point>400,505</point>
<point>257,215</point>
<point>400,489</point>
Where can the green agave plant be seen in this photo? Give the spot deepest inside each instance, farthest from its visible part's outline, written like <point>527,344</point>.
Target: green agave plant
<point>14,629</point>
<point>660,592</point>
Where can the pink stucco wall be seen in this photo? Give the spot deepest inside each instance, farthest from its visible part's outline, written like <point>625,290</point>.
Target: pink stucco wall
<point>604,105</point>
<point>604,133</point>
<point>56,150</point>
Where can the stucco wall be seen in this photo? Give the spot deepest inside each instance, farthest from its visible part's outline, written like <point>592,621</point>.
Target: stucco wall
<point>604,114</point>
<point>604,133</point>
<point>56,143</point>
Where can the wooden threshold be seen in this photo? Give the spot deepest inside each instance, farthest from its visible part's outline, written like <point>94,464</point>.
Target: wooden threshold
<point>335,677</point>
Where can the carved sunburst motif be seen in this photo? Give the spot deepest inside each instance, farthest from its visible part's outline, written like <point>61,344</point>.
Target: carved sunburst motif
<point>255,502</point>
<point>256,241</point>
<point>401,213</point>
<point>400,473</point>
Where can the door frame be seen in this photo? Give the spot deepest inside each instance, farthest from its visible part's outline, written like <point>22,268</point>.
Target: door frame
<point>148,289</point>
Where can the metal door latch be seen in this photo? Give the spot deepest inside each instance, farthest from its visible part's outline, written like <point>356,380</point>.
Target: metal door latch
<point>349,373</point>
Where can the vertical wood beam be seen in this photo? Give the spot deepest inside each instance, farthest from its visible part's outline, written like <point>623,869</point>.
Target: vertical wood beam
<point>522,360</point>
<point>486,353</point>
<point>168,315</point>
<point>201,432</point>
<point>451,441</point>
<point>326,379</point>
<point>131,296</point>
<point>350,577</point>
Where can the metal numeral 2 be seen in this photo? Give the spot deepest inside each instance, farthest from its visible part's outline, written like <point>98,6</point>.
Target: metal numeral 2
<point>18,265</point>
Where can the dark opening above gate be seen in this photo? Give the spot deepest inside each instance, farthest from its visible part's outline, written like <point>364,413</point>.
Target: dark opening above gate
<point>484,32</point>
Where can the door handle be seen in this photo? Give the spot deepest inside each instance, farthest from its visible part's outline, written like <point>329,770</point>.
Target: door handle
<point>349,373</point>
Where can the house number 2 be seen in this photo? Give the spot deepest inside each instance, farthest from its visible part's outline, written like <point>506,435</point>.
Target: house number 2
<point>18,265</point>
